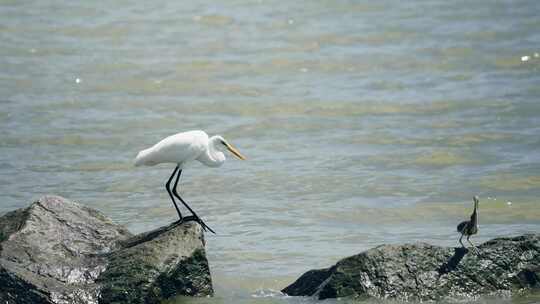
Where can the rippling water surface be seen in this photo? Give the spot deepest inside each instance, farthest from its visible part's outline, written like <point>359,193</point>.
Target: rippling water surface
<point>365,122</point>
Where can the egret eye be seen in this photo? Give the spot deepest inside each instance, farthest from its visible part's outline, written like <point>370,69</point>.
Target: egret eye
<point>223,143</point>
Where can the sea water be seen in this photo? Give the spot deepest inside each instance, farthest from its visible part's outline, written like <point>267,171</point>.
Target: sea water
<point>364,122</point>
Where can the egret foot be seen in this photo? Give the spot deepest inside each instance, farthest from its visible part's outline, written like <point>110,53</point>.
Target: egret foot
<point>197,219</point>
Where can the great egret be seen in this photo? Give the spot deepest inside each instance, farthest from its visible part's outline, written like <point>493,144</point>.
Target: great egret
<point>180,149</point>
<point>470,227</point>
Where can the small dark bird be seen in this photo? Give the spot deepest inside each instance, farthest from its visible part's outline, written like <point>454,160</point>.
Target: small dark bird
<point>470,227</point>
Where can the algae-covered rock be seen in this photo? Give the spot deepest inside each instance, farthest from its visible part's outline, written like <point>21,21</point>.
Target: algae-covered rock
<point>166,262</point>
<point>58,251</point>
<point>425,272</point>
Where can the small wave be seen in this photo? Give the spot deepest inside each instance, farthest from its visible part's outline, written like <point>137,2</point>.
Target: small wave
<point>268,293</point>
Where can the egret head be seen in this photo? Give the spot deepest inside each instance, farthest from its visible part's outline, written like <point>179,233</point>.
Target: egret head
<point>223,145</point>
<point>476,200</point>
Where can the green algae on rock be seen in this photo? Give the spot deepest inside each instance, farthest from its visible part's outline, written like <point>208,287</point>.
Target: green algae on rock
<point>158,265</point>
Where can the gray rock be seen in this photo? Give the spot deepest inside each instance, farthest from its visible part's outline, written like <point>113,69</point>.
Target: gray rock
<point>158,265</point>
<point>58,251</point>
<point>425,272</point>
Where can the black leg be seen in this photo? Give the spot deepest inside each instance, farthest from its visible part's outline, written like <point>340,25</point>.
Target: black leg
<point>168,187</point>
<point>195,216</point>
<point>475,249</point>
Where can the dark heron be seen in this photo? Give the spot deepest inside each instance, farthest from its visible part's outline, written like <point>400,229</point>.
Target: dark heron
<point>470,227</point>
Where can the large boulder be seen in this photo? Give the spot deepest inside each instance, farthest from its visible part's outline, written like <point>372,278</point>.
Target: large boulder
<point>58,251</point>
<point>425,272</point>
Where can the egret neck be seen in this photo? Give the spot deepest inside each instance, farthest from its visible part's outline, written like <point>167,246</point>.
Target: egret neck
<point>213,156</point>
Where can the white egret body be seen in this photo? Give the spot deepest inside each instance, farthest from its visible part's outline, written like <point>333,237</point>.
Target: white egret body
<point>181,149</point>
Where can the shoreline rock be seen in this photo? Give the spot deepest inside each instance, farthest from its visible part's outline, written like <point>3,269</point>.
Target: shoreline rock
<point>58,251</point>
<point>425,272</point>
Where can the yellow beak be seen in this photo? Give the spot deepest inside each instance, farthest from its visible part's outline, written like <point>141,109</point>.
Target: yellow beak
<point>235,152</point>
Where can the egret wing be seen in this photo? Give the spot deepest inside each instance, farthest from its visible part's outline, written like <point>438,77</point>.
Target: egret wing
<point>178,148</point>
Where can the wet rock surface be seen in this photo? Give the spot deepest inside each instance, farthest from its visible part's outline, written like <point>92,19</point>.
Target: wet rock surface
<point>425,272</point>
<point>58,251</point>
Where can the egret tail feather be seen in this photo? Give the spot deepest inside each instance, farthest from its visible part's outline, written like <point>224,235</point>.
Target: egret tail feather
<point>142,159</point>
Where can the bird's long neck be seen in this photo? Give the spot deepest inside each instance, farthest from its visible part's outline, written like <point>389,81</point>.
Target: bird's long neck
<point>474,215</point>
<point>212,157</point>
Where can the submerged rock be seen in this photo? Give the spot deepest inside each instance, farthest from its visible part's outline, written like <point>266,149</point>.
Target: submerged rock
<point>425,272</point>
<point>57,251</point>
